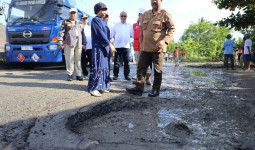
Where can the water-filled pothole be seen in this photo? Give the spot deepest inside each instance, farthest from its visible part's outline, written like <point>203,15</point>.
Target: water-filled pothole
<point>136,122</point>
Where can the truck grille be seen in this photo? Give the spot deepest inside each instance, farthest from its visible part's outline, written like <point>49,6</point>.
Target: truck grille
<point>39,37</point>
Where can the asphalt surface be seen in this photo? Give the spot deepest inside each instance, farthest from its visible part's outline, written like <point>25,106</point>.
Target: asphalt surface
<point>198,108</point>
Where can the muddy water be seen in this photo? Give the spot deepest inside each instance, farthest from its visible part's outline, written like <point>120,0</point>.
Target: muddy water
<point>196,109</point>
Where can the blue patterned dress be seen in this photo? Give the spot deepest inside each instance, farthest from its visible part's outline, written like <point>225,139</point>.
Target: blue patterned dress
<point>99,78</point>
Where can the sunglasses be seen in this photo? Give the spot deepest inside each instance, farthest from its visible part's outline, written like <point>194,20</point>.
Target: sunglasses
<point>123,16</point>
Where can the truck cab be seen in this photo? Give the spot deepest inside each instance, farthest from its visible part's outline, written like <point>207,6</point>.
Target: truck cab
<point>32,30</point>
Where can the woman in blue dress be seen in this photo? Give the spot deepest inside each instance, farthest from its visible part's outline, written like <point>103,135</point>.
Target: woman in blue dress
<point>99,79</point>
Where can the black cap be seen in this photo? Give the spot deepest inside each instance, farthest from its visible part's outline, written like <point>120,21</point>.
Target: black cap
<point>99,6</point>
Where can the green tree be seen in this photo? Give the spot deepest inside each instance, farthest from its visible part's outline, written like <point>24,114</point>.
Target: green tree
<point>245,16</point>
<point>203,40</point>
<point>170,46</point>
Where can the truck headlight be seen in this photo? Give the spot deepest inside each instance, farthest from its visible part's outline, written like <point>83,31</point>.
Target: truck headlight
<point>7,48</point>
<point>52,47</point>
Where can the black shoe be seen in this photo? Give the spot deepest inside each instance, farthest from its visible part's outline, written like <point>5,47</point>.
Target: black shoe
<point>233,69</point>
<point>115,78</point>
<point>153,93</point>
<point>79,78</point>
<point>128,78</point>
<point>69,77</point>
<point>85,77</point>
<point>134,91</point>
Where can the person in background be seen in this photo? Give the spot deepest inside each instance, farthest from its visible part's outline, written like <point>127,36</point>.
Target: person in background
<point>73,39</point>
<point>176,56</point>
<point>86,52</point>
<point>228,46</point>
<point>99,79</point>
<point>241,62</point>
<point>156,32</point>
<point>236,61</point>
<point>182,55</point>
<point>170,57</point>
<point>122,32</point>
<point>137,46</point>
<point>247,51</point>
<point>166,57</point>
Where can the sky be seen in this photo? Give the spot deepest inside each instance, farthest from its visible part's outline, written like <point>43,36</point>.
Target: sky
<point>184,12</point>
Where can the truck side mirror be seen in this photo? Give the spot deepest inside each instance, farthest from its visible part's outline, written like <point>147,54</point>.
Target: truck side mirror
<point>60,3</point>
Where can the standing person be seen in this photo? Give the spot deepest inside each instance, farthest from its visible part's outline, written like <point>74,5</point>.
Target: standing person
<point>166,57</point>
<point>247,51</point>
<point>72,33</point>
<point>106,19</point>
<point>242,64</point>
<point>99,79</point>
<point>176,56</point>
<point>122,32</point>
<point>157,31</point>
<point>86,52</point>
<point>182,55</point>
<point>228,46</point>
<point>137,47</point>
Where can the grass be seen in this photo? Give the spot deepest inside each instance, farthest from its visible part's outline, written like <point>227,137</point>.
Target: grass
<point>215,83</point>
<point>197,73</point>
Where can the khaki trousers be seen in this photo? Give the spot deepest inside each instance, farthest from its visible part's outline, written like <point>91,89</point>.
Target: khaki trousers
<point>73,58</point>
<point>148,57</point>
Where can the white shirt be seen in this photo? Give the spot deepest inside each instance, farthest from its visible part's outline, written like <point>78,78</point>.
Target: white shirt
<point>87,31</point>
<point>122,34</point>
<point>248,43</point>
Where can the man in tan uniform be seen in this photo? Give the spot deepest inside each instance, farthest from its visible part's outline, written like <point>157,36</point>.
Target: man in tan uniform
<point>156,32</point>
<point>72,38</point>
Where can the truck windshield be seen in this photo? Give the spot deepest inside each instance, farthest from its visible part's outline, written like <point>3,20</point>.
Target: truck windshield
<point>31,10</point>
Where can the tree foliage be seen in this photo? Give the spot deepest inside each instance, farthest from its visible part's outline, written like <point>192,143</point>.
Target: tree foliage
<point>245,16</point>
<point>203,39</point>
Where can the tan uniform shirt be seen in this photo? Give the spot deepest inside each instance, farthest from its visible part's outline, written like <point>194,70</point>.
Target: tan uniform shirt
<point>154,28</point>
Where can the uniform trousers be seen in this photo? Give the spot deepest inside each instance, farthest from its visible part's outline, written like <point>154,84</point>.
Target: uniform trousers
<point>137,58</point>
<point>73,59</point>
<point>149,57</point>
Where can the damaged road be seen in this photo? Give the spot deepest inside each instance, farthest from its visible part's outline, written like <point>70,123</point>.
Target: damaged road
<point>198,108</point>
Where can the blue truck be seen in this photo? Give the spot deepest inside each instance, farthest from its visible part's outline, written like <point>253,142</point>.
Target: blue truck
<point>32,30</point>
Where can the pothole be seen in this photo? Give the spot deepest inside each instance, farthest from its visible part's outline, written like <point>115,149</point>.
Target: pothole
<point>136,122</point>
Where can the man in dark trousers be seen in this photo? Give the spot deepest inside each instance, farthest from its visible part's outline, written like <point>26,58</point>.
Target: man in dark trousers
<point>228,46</point>
<point>122,32</point>
<point>156,32</point>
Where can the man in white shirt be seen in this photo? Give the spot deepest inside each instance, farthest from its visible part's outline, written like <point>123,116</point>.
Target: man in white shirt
<point>86,53</point>
<point>121,33</point>
<point>247,51</point>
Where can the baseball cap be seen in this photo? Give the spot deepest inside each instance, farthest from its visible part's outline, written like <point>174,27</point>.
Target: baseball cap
<point>141,11</point>
<point>73,9</point>
<point>84,16</point>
